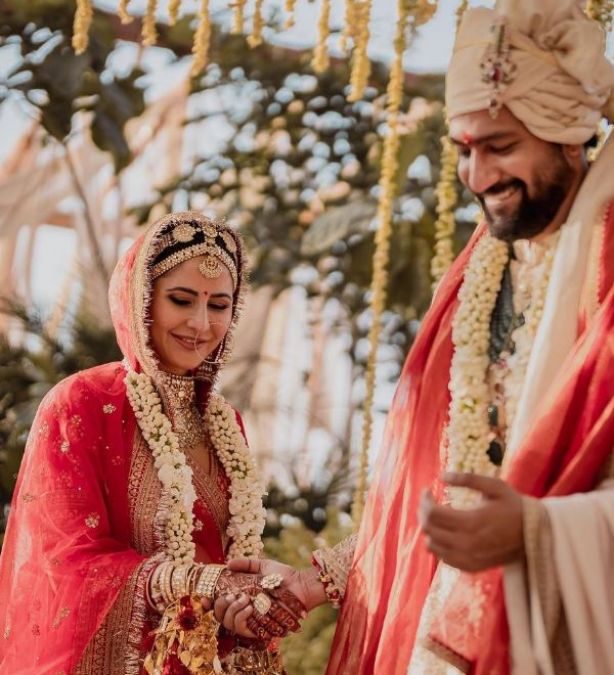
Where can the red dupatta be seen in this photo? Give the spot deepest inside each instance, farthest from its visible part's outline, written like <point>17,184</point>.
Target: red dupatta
<point>392,569</point>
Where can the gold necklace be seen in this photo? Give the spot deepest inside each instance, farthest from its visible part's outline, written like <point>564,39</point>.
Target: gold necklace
<point>178,395</point>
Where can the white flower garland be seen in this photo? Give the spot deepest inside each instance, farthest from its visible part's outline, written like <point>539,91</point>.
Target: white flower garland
<point>246,489</point>
<point>468,429</point>
<point>468,432</point>
<point>524,336</point>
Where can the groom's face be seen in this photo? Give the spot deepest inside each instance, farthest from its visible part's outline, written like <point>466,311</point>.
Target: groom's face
<point>521,181</point>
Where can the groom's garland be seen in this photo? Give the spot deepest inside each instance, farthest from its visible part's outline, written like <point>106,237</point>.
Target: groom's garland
<point>468,431</point>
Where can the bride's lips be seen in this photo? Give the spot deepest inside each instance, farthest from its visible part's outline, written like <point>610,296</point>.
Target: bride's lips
<point>187,342</point>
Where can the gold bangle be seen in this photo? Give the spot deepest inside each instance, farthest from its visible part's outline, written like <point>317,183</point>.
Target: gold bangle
<point>205,586</point>
<point>178,581</point>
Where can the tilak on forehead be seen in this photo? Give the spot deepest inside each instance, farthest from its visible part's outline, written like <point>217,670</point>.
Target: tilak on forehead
<point>185,238</point>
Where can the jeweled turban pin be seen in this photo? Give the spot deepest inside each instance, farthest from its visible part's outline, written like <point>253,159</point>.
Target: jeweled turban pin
<point>497,68</point>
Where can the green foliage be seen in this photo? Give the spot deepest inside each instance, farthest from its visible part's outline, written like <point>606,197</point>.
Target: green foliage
<point>306,653</point>
<point>58,83</point>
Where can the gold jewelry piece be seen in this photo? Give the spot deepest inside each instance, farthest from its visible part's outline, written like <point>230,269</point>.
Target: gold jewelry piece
<point>178,581</point>
<point>262,603</point>
<point>497,68</point>
<point>183,233</point>
<point>205,586</point>
<point>271,581</point>
<point>210,267</point>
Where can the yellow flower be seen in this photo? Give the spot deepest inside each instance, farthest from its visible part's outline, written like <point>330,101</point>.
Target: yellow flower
<point>238,17</point>
<point>289,6</point>
<point>382,251</point>
<point>255,38</point>
<point>149,33</point>
<point>202,39</point>
<point>122,11</point>
<point>320,57</point>
<point>173,11</point>
<point>361,66</point>
<point>81,25</point>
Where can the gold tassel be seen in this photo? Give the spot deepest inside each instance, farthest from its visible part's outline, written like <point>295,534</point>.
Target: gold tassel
<point>122,11</point>
<point>149,33</point>
<point>382,252</point>
<point>361,66</point>
<point>289,7</point>
<point>81,25</point>
<point>255,38</point>
<point>238,17</point>
<point>202,39</point>
<point>446,201</point>
<point>320,56</point>
<point>173,11</point>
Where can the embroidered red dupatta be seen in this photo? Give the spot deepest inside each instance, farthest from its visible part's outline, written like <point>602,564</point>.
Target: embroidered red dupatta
<point>81,536</point>
<point>392,570</point>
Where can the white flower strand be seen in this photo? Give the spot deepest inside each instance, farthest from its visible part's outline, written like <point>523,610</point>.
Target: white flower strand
<point>247,514</point>
<point>524,336</point>
<point>468,429</point>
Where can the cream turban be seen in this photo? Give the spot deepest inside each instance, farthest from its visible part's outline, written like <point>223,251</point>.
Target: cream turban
<point>562,83</point>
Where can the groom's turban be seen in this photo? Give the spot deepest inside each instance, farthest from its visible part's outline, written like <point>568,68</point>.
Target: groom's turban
<point>560,81</point>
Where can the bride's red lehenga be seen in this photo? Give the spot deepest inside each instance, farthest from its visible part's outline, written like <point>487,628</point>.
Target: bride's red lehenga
<point>86,523</point>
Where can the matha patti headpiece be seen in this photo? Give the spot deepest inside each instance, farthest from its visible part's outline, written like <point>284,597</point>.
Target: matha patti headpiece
<point>496,66</point>
<point>184,239</point>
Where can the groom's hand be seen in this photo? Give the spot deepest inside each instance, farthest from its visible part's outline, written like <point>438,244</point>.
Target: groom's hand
<point>475,539</point>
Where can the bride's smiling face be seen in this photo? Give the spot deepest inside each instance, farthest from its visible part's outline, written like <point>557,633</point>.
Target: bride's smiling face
<point>190,316</point>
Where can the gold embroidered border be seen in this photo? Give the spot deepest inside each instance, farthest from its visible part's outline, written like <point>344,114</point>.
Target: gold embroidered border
<point>144,496</point>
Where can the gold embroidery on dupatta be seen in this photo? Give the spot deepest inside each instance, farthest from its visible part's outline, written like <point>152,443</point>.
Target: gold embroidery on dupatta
<point>144,495</point>
<point>590,293</point>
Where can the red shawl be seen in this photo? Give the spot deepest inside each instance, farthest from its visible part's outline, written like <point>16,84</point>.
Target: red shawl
<point>75,542</point>
<point>392,569</point>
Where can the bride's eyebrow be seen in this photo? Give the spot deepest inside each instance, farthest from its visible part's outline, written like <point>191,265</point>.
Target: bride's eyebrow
<point>191,291</point>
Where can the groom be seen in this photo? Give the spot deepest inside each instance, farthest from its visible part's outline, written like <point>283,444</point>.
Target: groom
<point>507,394</point>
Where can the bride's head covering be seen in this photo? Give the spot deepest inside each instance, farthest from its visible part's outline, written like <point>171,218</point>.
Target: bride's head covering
<point>545,61</point>
<point>167,243</point>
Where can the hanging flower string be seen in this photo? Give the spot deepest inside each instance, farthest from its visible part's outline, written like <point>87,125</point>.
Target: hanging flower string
<point>349,26</point>
<point>361,66</point>
<point>247,515</point>
<point>447,198</point>
<point>81,25</point>
<point>149,32</point>
<point>122,11</point>
<point>382,251</point>
<point>202,41</point>
<point>446,201</point>
<point>173,11</point>
<point>255,38</point>
<point>321,60</point>
<point>289,7</point>
<point>238,17</point>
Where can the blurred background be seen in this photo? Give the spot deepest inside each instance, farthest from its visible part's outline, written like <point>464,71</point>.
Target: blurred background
<point>96,145</point>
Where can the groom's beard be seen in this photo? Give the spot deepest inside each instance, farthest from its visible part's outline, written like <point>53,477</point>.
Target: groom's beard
<point>534,213</point>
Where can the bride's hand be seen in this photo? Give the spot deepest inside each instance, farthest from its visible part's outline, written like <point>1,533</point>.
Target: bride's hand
<point>304,584</point>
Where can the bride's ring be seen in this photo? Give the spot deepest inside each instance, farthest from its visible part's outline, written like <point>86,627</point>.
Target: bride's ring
<point>262,603</point>
<point>271,581</point>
